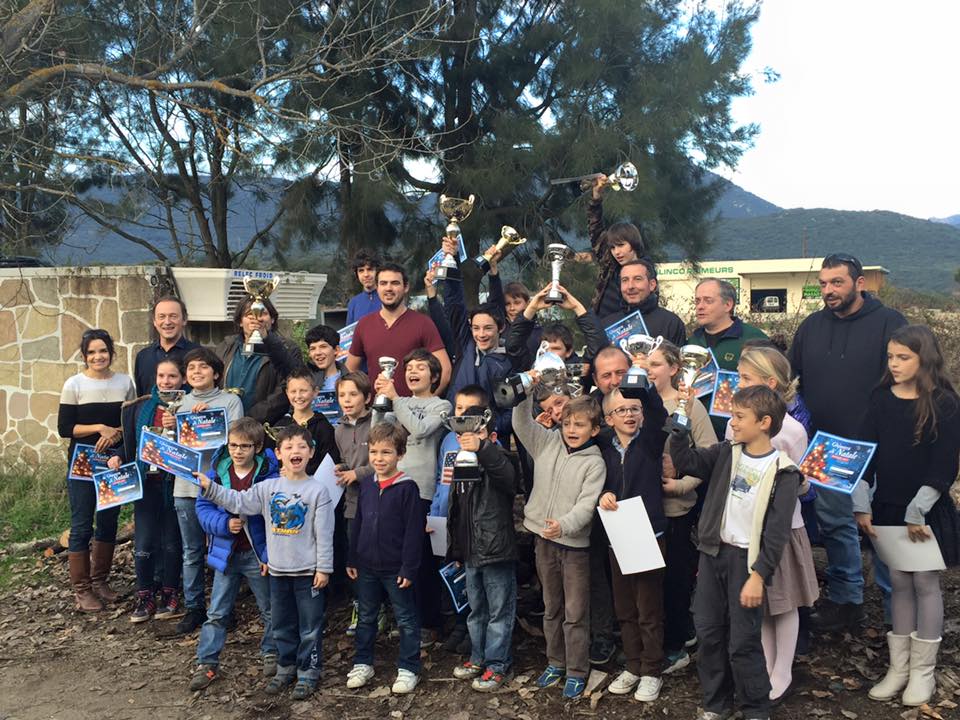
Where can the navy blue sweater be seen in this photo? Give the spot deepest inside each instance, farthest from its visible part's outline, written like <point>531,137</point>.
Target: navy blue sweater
<point>639,472</point>
<point>386,536</point>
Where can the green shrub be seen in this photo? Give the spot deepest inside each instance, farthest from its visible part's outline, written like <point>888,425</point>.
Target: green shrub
<point>33,502</point>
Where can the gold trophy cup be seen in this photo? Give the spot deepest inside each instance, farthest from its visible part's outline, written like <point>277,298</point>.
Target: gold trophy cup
<point>625,178</point>
<point>455,210</point>
<point>509,239</point>
<point>259,289</point>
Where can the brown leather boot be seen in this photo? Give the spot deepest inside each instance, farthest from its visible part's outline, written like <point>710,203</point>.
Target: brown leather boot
<point>101,557</point>
<point>86,599</point>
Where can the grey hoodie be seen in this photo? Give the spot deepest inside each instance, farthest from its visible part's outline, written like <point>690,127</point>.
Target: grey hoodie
<point>566,485</point>
<point>299,519</point>
<point>421,418</point>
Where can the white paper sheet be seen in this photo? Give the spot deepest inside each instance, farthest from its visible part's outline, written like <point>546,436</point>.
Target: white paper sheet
<point>899,552</point>
<point>325,474</point>
<point>631,536</point>
<point>438,538</point>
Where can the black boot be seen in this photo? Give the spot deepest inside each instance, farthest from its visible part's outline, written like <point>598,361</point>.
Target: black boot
<point>194,618</point>
<point>834,617</point>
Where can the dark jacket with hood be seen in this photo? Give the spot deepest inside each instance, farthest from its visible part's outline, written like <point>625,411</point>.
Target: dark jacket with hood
<point>269,401</point>
<point>716,465</point>
<point>659,320</point>
<point>215,520</point>
<point>470,367</point>
<point>386,536</point>
<point>639,471</point>
<point>480,515</point>
<point>840,361</point>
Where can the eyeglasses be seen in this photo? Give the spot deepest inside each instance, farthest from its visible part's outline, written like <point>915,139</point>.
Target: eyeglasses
<point>846,259</point>
<point>240,446</point>
<point>624,411</point>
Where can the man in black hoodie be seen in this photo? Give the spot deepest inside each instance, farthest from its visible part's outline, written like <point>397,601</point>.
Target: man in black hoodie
<point>839,354</point>
<point>638,287</point>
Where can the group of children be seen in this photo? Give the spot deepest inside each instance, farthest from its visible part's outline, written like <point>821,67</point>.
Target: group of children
<point>259,515</point>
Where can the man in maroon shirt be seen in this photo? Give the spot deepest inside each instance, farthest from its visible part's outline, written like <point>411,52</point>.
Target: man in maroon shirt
<point>394,331</point>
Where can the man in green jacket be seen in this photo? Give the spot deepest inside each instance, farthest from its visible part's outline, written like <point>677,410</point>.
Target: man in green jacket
<point>719,329</point>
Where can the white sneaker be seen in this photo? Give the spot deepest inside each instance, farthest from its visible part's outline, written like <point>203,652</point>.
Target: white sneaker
<point>359,676</point>
<point>405,683</point>
<point>624,683</point>
<point>649,689</point>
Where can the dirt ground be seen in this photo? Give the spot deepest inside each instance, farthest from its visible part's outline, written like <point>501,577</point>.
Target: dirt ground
<point>56,663</point>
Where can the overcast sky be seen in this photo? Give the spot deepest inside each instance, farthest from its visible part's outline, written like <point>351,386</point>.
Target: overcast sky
<point>866,114</point>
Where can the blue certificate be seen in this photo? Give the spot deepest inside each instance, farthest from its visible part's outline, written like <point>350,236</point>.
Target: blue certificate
<point>170,456</point>
<point>86,462</point>
<point>632,324</point>
<point>118,487</point>
<point>455,578</point>
<point>726,384</point>
<point>202,430</point>
<point>326,404</point>
<point>346,340</point>
<point>836,463</point>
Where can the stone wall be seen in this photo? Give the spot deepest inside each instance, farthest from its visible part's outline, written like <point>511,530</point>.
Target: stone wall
<point>43,314</point>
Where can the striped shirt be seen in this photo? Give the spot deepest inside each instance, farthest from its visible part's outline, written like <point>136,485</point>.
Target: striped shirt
<point>91,401</point>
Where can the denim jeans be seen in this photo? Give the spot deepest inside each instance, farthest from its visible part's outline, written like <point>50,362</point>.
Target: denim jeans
<point>492,593</point>
<point>838,533</point>
<point>297,610</point>
<point>83,508</point>
<point>213,634</point>
<point>157,530</point>
<point>371,589</point>
<point>194,542</point>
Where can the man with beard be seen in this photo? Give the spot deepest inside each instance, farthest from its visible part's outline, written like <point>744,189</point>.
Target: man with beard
<point>638,288</point>
<point>395,330</point>
<point>839,353</point>
<point>169,320</point>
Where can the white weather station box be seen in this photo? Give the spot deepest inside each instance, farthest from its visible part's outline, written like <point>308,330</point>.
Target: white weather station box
<point>214,293</point>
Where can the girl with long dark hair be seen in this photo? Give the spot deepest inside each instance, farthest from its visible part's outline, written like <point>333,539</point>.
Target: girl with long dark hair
<point>90,414</point>
<point>914,417</point>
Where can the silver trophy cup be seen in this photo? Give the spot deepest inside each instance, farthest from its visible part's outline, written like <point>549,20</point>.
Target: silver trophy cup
<point>173,399</point>
<point>556,254</point>
<point>635,383</point>
<point>388,366</point>
<point>693,359</point>
<point>466,466</point>
<point>551,369</point>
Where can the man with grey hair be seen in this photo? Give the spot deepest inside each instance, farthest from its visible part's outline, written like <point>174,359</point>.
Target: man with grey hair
<point>719,329</point>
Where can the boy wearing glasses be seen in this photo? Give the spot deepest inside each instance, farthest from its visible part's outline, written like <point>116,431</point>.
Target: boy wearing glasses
<point>237,549</point>
<point>635,469</point>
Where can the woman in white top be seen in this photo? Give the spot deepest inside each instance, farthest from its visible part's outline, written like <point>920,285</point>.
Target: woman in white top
<point>794,584</point>
<point>90,415</point>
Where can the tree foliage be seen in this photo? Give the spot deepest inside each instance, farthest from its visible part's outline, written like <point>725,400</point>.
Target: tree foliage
<point>368,110</point>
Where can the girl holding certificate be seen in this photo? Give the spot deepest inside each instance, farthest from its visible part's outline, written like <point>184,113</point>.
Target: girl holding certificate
<point>914,417</point>
<point>90,414</point>
<point>154,515</point>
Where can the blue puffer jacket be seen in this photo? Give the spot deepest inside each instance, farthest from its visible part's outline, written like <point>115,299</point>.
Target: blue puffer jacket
<point>214,519</point>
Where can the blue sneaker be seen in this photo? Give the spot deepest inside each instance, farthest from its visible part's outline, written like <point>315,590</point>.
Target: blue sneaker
<point>574,687</point>
<point>550,677</point>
